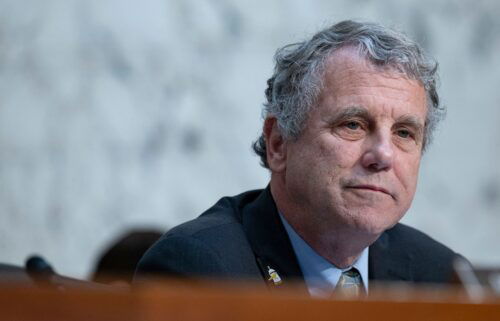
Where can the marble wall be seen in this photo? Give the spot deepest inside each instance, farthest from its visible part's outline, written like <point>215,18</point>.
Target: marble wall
<point>121,114</point>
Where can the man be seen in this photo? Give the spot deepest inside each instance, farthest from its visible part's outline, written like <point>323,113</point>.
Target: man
<point>348,116</point>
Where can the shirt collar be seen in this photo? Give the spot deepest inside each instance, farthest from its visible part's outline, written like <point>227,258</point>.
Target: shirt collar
<point>321,276</point>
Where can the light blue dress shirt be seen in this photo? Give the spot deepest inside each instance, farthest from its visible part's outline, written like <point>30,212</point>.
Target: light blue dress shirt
<point>321,276</point>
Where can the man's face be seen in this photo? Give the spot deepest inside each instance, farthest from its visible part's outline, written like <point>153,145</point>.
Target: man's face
<point>356,162</point>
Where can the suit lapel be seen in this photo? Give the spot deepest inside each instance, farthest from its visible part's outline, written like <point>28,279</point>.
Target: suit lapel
<point>387,261</point>
<point>270,241</point>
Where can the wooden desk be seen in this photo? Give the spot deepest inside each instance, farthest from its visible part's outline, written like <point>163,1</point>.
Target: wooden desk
<point>183,302</point>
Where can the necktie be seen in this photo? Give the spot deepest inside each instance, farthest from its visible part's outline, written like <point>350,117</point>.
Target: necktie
<point>350,284</point>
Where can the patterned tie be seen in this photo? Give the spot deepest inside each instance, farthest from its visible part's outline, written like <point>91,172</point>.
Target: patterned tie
<point>350,284</point>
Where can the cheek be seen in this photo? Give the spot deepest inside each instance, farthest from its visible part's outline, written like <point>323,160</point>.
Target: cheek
<point>408,174</point>
<point>338,153</point>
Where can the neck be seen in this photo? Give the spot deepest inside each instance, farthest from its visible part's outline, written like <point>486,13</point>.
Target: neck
<point>336,250</point>
<point>340,245</point>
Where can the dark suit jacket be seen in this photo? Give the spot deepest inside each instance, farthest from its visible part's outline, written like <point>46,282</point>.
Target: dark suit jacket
<point>240,237</point>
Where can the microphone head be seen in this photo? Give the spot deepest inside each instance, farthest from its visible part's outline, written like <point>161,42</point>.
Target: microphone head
<point>36,265</point>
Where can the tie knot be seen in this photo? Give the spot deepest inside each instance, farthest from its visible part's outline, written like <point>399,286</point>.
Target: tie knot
<point>352,273</point>
<point>350,284</point>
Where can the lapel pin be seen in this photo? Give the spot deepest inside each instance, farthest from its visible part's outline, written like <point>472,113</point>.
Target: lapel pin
<point>273,276</point>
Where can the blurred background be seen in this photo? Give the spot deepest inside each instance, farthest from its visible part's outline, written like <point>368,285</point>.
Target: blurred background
<point>119,115</point>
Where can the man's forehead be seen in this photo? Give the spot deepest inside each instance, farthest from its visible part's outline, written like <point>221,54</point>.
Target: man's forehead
<point>351,80</point>
<point>346,67</point>
<point>349,60</point>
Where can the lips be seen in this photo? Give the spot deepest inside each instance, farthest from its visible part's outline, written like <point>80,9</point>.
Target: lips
<point>374,188</point>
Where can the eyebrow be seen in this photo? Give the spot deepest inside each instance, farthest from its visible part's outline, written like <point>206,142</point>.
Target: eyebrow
<point>411,121</point>
<point>362,112</point>
<point>350,112</point>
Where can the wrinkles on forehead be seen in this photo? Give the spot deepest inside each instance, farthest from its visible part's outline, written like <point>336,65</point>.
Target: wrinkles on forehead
<point>347,70</point>
<point>350,57</point>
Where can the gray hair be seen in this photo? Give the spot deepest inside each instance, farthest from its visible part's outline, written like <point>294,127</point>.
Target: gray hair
<point>298,75</point>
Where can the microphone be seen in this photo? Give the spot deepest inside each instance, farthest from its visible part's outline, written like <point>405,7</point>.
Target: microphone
<point>38,266</point>
<point>40,271</point>
<point>43,275</point>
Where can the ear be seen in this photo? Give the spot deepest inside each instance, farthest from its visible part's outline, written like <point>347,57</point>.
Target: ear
<point>275,145</point>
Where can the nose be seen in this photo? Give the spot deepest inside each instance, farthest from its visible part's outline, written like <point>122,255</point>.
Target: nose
<point>379,155</point>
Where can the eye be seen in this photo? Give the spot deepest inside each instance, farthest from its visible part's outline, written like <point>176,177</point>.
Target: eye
<point>404,133</point>
<point>351,129</point>
<point>352,125</point>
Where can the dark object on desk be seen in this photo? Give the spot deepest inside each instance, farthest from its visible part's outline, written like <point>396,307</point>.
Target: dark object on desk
<point>118,262</point>
<point>39,270</point>
<point>43,275</point>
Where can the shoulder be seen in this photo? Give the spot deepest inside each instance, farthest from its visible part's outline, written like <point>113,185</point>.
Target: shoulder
<point>419,244</point>
<point>430,260</point>
<point>213,244</point>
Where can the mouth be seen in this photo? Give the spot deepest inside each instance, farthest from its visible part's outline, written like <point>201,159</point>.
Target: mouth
<point>373,188</point>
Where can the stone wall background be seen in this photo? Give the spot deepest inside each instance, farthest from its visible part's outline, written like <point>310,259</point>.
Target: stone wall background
<point>120,114</point>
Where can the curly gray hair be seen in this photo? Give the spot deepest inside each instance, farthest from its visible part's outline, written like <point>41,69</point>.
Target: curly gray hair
<point>298,75</point>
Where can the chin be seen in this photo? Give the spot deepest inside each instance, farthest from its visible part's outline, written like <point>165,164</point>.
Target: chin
<point>376,230</point>
<point>372,225</point>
